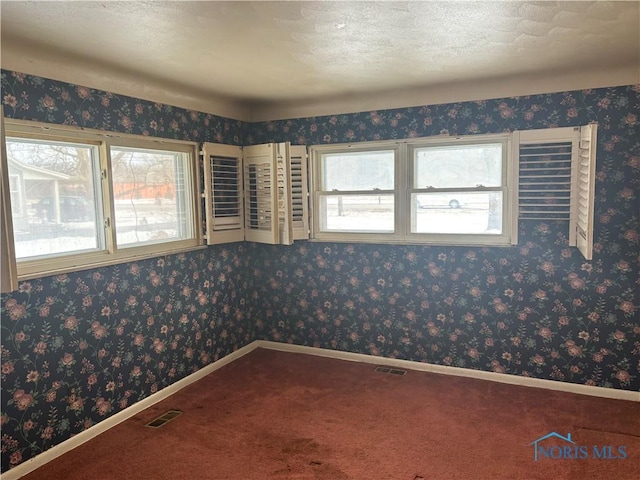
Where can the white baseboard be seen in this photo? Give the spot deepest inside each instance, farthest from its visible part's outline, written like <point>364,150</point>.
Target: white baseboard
<point>457,371</point>
<point>86,435</point>
<point>64,447</point>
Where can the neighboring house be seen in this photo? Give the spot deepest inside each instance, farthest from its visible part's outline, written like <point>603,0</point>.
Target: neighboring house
<point>30,184</point>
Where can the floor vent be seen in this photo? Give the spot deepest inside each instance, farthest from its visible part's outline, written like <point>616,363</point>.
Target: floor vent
<point>390,371</point>
<point>164,418</point>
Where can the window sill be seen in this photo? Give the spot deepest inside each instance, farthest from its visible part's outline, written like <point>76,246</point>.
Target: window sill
<point>446,240</point>
<point>104,263</point>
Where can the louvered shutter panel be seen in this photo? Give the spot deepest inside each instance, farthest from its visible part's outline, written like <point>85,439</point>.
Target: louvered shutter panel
<point>299,193</point>
<point>556,174</point>
<point>585,190</point>
<point>260,194</point>
<point>283,165</point>
<point>223,193</point>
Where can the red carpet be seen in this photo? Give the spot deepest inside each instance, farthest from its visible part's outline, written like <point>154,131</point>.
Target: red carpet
<point>274,415</point>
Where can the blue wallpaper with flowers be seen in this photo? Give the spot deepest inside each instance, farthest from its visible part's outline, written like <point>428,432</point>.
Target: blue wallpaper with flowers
<point>27,97</point>
<point>537,309</point>
<point>78,348</point>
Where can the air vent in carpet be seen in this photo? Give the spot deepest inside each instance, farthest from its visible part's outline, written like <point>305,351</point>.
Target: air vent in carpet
<point>164,418</point>
<point>391,371</point>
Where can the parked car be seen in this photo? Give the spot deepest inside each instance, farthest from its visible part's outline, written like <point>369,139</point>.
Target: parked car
<point>72,209</point>
<point>437,201</point>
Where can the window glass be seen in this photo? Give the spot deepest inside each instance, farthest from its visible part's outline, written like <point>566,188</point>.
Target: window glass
<point>358,171</point>
<point>458,166</point>
<point>458,212</point>
<point>53,197</point>
<point>151,190</point>
<point>357,213</point>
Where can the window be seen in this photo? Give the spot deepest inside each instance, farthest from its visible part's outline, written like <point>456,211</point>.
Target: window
<point>448,191</point>
<point>471,190</point>
<point>88,198</point>
<point>356,191</point>
<point>459,191</point>
<point>151,196</point>
<point>56,182</point>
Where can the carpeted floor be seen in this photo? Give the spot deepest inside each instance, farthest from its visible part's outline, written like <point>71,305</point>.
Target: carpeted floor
<point>275,415</point>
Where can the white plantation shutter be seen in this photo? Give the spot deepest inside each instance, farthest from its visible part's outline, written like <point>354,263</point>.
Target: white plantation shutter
<point>260,194</point>
<point>257,193</point>
<point>556,169</point>
<point>299,193</point>
<point>223,193</point>
<point>585,190</point>
<point>283,193</point>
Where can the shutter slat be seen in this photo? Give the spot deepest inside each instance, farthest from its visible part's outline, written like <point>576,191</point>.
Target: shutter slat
<point>545,181</point>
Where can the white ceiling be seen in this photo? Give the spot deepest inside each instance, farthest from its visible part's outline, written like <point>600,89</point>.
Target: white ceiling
<point>268,59</point>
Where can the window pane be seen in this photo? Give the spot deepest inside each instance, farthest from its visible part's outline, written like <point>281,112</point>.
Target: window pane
<point>53,197</point>
<point>457,212</point>
<point>358,171</point>
<point>458,166</point>
<point>151,196</point>
<point>357,213</point>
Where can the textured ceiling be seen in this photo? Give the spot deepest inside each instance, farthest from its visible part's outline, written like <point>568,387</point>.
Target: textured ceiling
<point>269,52</point>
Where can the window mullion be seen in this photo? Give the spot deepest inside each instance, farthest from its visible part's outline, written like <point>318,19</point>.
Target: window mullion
<point>402,184</point>
<point>108,208</point>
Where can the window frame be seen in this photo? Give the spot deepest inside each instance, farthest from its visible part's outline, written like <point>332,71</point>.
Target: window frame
<point>316,154</point>
<point>109,254</point>
<point>403,189</point>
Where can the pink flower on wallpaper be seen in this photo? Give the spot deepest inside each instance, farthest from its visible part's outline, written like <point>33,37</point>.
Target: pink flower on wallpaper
<point>48,102</point>
<point>627,307</point>
<point>22,399</point>
<point>623,376</point>
<point>10,100</point>
<point>545,333</point>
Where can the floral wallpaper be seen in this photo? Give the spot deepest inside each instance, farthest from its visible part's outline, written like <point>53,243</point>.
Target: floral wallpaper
<point>537,309</point>
<point>78,348</point>
<point>27,97</point>
<point>81,347</point>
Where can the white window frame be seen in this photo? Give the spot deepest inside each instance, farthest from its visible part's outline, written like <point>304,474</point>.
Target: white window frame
<point>8,268</point>
<point>317,153</point>
<point>109,253</point>
<point>403,189</point>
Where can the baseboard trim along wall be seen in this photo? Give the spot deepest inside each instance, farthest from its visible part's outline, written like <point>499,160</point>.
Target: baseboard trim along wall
<point>83,437</point>
<point>86,435</point>
<point>457,371</point>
